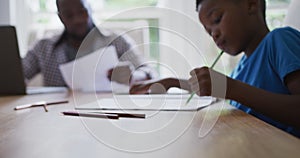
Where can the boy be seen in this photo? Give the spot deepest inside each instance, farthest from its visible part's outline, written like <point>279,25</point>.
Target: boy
<point>266,82</point>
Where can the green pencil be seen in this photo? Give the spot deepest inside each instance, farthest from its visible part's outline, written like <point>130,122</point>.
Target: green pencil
<point>212,66</point>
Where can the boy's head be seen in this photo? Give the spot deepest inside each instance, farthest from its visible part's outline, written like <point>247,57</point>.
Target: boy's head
<point>263,6</point>
<point>235,25</point>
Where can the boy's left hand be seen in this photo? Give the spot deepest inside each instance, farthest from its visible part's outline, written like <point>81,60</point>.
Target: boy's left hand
<point>207,82</point>
<point>150,87</point>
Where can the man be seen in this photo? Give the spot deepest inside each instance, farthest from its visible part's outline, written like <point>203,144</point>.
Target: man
<point>46,56</point>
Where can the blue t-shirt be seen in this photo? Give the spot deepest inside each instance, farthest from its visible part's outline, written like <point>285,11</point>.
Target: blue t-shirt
<point>276,56</point>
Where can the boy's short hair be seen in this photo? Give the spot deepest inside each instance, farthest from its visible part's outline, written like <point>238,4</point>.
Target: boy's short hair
<point>263,6</point>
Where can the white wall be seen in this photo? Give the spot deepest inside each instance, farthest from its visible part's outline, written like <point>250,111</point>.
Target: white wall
<point>7,12</point>
<point>15,13</point>
<point>189,44</point>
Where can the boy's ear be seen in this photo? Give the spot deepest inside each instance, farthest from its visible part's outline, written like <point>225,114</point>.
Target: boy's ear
<point>253,6</point>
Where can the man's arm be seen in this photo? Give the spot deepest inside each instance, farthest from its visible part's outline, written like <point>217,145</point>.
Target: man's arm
<point>30,63</point>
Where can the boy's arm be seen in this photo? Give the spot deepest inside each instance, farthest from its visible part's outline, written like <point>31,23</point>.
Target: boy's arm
<point>280,107</point>
<point>292,81</point>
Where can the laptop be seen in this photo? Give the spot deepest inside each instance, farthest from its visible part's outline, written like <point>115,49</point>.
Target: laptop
<point>12,81</point>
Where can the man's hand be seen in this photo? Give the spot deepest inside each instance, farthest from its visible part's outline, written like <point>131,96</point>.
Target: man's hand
<point>121,73</point>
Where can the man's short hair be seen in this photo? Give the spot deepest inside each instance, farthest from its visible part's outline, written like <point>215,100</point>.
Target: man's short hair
<point>263,6</point>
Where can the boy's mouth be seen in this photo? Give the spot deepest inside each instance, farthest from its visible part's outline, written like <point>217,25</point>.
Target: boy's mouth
<point>220,44</point>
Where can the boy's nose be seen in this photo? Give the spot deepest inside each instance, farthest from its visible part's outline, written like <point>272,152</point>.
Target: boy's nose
<point>215,35</point>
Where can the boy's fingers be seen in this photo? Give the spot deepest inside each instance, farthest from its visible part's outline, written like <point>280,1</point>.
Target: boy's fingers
<point>198,70</point>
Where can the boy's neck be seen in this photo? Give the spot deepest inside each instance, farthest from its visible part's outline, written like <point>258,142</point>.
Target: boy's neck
<point>260,35</point>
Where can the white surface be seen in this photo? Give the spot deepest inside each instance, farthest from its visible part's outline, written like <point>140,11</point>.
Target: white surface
<point>149,102</point>
<point>40,90</point>
<point>89,73</point>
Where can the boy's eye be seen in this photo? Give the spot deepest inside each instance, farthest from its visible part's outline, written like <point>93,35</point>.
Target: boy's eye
<point>217,19</point>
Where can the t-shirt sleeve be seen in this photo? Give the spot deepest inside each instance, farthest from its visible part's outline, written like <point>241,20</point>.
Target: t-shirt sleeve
<point>286,51</point>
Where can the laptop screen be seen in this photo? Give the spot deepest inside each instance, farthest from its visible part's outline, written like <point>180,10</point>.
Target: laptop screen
<point>12,79</point>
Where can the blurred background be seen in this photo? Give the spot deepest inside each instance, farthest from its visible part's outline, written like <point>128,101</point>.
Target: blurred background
<point>172,37</point>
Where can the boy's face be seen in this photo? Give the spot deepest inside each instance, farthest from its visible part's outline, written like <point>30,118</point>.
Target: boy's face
<point>228,23</point>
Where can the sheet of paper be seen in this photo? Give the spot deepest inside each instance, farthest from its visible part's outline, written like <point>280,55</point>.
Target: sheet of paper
<point>89,73</point>
<point>149,102</point>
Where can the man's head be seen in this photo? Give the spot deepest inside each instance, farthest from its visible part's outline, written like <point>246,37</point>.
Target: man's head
<point>235,25</point>
<point>76,17</point>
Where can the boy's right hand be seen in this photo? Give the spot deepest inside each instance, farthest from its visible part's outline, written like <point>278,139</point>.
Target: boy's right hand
<point>207,82</point>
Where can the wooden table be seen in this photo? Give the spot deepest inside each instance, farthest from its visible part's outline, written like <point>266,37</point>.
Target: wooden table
<point>216,131</point>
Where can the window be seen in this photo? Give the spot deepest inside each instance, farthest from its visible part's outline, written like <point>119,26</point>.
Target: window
<point>98,6</point>
<point>123,4</point>
<point>276,12</point>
